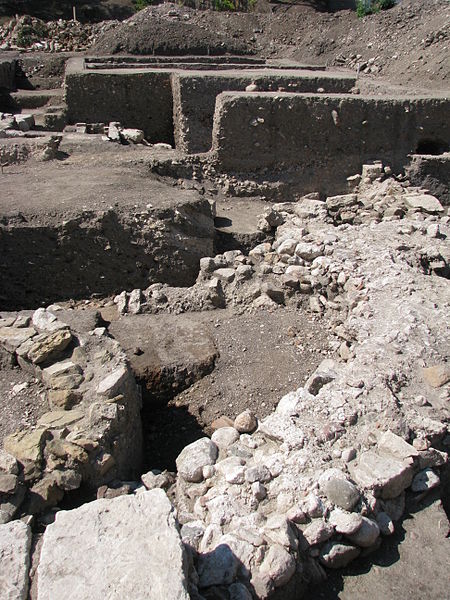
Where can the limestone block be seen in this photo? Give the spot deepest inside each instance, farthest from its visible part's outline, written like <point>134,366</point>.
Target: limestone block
<point>15,542</point>
<point>127,547</point>
<point>386,476</point>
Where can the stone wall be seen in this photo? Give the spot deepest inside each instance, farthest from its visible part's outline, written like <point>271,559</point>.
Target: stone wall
<point>312,135</point>
<point>7,74</point>
<point>140,100</point>
<point>195,97</point>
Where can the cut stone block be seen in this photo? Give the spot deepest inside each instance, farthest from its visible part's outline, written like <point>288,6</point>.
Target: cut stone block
<point>15,542</point>
<point>128,547</point>
<point>386,476</point>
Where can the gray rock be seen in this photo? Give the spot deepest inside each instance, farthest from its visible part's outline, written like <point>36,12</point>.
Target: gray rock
<point>218,567</point>
<point>336,555</point>
<point>15,542</point>
<point>8,463</point>
<point>258,473</point>
<point>194,457</point>
<point>111,385</point>
<point>425,480</point>
<point>344,522</point>
<point>238,591</point>
<point>318,532</point>
<point>278,565</point>
<point>128,547</point>
<point>366,535</point>
<point>342,493</point>
<point>385,475</point>
<point>424,202</point>
<point>385,523</point>
<point>225,437</point>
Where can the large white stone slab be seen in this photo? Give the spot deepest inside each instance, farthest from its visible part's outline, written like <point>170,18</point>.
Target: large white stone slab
<point>15,541</point>
<point>128,547</point>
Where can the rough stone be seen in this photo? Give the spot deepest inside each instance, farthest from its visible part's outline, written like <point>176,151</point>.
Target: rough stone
<point>424,202</point>
<point>217,567</point>
<point>225,437</point>
<point>8,463</point>
<point>26,445</point>
<point>385,523</point>
<point>8,483</point>
<point>318,532</point>
<point>437,376</point>
<point>246,422</point>
<point>44,320</point>
<point>425,480</point>
<point>11,337</point>
<point>386,476</point>
<point>342,493</point>
<point>194,457</point>
<point>58,419</point>
<point>344,522</point>
<point>366,535</point>
<point>278,565</point>
<point>128,547</point>
<point>15,543</point>
<point>337,555</point>
<point>50,347</point>
<point>111,385</point>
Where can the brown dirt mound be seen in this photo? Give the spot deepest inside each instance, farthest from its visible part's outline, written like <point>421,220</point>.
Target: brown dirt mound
<point>169,30</point>
<point>408,44</point>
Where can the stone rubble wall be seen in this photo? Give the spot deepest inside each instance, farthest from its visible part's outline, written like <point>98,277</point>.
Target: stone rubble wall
<point>137,99</point>
<point>91,434</point>
<point>324,477</point>
<point>167,243</point>
<point>195,97</point>
<point>265,508</point>
<point>320,140</point>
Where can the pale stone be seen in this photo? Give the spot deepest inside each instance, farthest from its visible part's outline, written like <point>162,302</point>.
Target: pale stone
<point>258,473</point>
<point>15,543</point>
<point>26,445</point>
<point>437,376</point>
<point>246,422</point>
<point>135,136</point>
<point>57,419</point>
<point>396,446</point>
<point>278,565</point>
<point>344,522</point>
<point>226,274</point>
<point>194,457</point>
<point>366,535</point>
<point>44,320</point>
<point>8,463</point>
<point>386,476</point>
<point>8,483</point>
<point>128,547</point>
<point>232,469</point>
<point>225,437</point>
<point>111,385</point>
<point>11,337</point>
<point>424,202</point>
<point>318,532</point>
<point>60,368</point>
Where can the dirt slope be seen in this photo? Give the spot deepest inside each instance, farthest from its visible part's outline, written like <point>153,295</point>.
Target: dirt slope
<point>408,44</point>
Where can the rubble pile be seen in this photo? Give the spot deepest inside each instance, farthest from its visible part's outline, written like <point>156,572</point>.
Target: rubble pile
<point>264,506</point>
<point>32,34</point>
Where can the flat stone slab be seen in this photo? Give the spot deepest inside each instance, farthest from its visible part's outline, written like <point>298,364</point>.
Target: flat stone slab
<point>128,547</point>
<point>165,349</point>
<point>15,542</point>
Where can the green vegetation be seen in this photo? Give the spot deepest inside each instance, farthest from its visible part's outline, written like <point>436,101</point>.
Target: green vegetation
<point>370,7</point>
<point>31,33</point>
<point>221,5</point>
<point>140,4</point>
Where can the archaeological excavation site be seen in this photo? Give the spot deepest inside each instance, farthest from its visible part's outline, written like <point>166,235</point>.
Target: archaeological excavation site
<point>224,300</point>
